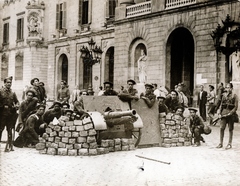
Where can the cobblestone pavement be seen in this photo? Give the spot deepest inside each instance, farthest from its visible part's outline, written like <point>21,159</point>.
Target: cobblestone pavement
<point>204,165</point>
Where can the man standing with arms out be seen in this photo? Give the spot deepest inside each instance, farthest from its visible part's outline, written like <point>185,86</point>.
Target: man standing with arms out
<point>227,109</point>
<point>8,107</point>
<point>26,108</point>
<point>63,93</point>
<point>211,99</point>
<point>196,126</point>
<point>201,102</point>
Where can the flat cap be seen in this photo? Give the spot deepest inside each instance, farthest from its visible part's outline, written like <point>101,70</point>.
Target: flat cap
<point>57,103</point>
<point>193,109</point>
<point>149,85</point>
<point>109,83</point>
<point>132,81</point>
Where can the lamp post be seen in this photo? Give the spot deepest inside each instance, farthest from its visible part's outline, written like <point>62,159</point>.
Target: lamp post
<point>232,39</point>
<point>90,57</point>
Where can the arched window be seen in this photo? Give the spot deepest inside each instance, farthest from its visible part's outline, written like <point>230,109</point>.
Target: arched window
<point>19,66</point>
<point>4,66</point>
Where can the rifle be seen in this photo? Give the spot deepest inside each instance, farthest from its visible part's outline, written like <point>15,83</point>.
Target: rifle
<point>214,121</point>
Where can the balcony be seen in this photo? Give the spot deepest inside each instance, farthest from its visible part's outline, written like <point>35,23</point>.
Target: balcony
<point>138,9</point>
<point>178,3</point>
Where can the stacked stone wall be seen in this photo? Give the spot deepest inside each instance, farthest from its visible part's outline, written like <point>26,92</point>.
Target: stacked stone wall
<point>78,137</point>
<point>174,130</point>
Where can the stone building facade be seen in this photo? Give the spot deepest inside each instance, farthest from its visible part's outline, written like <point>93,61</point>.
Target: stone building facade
<point>175,37</point>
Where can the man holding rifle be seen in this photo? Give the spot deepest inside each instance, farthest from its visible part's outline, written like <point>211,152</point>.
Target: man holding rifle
<point>227,112</point>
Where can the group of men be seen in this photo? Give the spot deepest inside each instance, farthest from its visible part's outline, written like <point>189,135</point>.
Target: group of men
<point>33,119</point>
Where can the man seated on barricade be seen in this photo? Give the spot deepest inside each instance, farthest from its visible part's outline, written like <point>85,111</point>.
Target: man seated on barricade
<point>65,106</point>
<point>162,108</point>
<point>63,94</point>
<point>27,107</point>
<point>39,92</point>
<point>108,89</point>
<point>196,127</point>
<point>179,111</point>
<point>69,114</point>
<point>29,136</point>
<point>172,101</point>
<point>78,107</point>
<point>148,97</point>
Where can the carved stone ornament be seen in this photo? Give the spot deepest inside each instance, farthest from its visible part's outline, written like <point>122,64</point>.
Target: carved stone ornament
<point>34,24</point>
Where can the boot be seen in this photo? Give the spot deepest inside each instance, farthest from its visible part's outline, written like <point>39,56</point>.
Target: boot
<point>229,146</point>
<point>221,138</point>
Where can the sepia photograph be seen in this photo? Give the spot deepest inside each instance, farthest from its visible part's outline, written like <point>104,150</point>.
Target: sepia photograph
<point>119,92</point>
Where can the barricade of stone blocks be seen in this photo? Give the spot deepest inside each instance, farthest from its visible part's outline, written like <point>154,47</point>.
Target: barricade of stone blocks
<point>174,132</point>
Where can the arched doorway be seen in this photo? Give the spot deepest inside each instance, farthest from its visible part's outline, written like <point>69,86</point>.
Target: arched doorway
<point>180,59</point>
<point>63,68</point>
<point>109,65</point>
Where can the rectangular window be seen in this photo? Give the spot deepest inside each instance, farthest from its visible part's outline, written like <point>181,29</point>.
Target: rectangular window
<point>6,33</point>
<point>112,6</point>
<point>85,12</point>
<point>19,67</point>
<point>4,66</point>
<point>61,16</point>
<point>20,27</point>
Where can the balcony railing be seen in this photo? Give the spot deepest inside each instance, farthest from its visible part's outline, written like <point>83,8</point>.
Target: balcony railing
<point>178,3</point>
<point>139,9</point>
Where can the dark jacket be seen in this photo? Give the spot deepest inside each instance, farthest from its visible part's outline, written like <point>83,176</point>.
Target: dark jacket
<point>204,98</point>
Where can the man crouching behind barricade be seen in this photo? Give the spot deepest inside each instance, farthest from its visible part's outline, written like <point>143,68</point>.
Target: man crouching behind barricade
<point>29,136</point>
<point>196,127</point>
<point>148,97</point>
<point>8,112</point>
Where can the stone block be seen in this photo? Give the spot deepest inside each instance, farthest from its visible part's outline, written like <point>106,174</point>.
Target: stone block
<point>117,148</point>
<point>40,146</point>
<point>180,144</point>
<point>83,133</point>
<point>187,143</point>
<point>45,136</point>
<point>106,150</point>
<point>125,148</point>
<point>72,152</point>
<point>61,133</point>
<point>111,143</point>
<point>79,128</point>
<point>183,122</point>
<point>51,139</point>
<point>82,139</point>
<point>92,152</point>
<point>88,126</point>
<point>162,115</point>
<point>174,145</point>
<point>72,128</point>
<point>168,122</point>
<point>77,146</point>
<point>69,146</point>
<point>54,145</point>
<point>167,141</point>
<point>42,140</point>
<point>178,122</point>
<point>86,120</point>
<point>169,116</point>
<point>175,136</point>
<point>165,135</point>
<point>72,140</point>
<point>51,151</point>
<point>66,129</point>
<point>93,145</point>
<point>172,122</point>
<point>101,150</point>
<point>48,144</point>
<point>65,140</point>
<point>92,132</point>
<point>50,125</point>
<point>62,123</point>
<point>162,126</point>
<point>178,126</point>
<point>69,123</point>
<point>68,134</point>
<point>61,145</point>
<point>181,139</point>
<point>177,117</point>
<point>91,139</point>
<point>57,139</point>
<point>62,151</point>
<point>48,130</point>
<point>83,152</point>
<point>124,142</point>
<point>54,133</point>
<point>85,145</point>
<point>180,134</point>
<point>57,128</point>
<point>166,145</point>
<point>77,122</point>
<point>117,141</point>
<point>75,134</point>
<point>131,141</point>
<point>131,147</point>
<point>111,149</point>
<point>174,140</point>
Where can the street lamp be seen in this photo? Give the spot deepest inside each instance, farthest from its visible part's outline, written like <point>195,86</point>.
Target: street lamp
<point>90,57</point>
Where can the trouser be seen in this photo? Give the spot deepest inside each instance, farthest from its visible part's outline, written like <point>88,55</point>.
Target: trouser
<point>197,134</point>
<point>202,111</point>
<point>224,121</point>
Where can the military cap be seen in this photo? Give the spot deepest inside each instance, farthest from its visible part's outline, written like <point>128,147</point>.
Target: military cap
<point>175,92</point>
<point>132,81</point>
<point>108,83</point>
<point>160,96</point>
<point>193,109</point>
<point>149,85</point>
<point>32,81</point>
<point>57,103</point>
<point>8,78</point>
<point>65,103</point>
<point>32,91</point>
